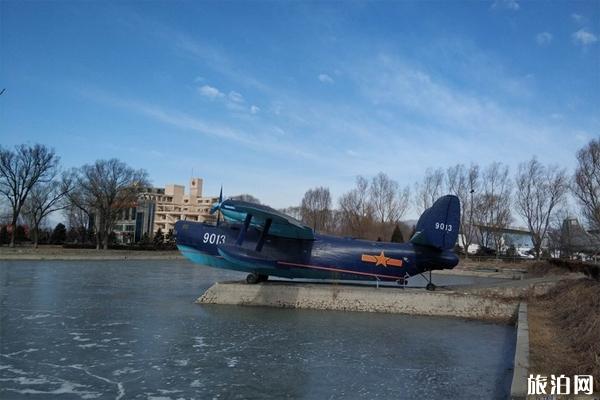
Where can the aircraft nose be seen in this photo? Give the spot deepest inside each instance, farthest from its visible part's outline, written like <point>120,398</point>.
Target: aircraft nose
<point>180,232</point>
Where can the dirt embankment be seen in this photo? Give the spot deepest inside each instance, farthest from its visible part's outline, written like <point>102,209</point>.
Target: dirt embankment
<point>564,329</point>
<point>564,323</point>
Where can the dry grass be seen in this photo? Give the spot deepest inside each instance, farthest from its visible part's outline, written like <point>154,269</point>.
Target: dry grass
<point>562,267</point>
<point>565,330</point>
<point>493,263</point>
<point>543,268</point>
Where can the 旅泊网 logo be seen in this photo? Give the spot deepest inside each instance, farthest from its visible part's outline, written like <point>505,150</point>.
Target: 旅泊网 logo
<point>559,384</point>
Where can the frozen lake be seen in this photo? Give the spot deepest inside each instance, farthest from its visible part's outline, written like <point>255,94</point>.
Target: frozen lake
<point>130,330</point>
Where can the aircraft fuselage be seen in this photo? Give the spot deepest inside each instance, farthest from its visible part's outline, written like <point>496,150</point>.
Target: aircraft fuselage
<point>325,257</point>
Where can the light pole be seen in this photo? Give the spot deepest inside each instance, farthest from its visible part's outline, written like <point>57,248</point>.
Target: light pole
<point>470,225</point>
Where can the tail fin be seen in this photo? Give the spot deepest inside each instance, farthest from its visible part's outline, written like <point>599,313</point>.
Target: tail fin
<point>439,224</point>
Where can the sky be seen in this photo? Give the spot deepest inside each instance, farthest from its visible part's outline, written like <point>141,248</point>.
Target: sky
<point>273,98</point>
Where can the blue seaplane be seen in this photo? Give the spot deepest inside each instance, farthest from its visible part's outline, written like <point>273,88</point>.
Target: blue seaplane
<point>264,242</point>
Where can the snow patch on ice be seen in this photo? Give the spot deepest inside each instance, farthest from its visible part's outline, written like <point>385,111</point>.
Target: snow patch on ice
<point>89,345</point>
<point>126,370</point>
<point>199,342</point>
<point>37,316</point>
<point>65,388</point>
<point>232,361</point>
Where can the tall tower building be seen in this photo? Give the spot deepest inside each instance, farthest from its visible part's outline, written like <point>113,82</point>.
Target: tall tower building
<point>196,187</point>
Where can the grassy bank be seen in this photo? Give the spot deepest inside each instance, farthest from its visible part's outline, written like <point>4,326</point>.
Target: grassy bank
<point>59,253</point>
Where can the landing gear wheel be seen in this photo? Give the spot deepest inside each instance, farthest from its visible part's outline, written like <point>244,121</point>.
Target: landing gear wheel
<point>430,286</point>
<point>252,279</point>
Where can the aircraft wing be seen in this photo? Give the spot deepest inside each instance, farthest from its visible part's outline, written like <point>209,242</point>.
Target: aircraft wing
<point>281,225</point>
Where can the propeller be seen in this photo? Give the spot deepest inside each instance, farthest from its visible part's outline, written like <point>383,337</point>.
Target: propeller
<point>217,206</point>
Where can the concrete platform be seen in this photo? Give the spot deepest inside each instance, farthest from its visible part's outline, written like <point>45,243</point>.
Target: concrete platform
<point>442,302</point>
<point>518,390</point>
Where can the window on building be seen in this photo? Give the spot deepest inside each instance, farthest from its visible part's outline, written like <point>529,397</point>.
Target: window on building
<point>133,213</point>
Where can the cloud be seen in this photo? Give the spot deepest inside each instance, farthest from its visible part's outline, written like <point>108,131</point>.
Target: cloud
<point>234,101</point>
<point>199,51</point>
<point>210,92</point>
<point>325,78</point>
<point>581,137</point>
<point>578,18</point>
<point>543,38</point>
<point>254,139</point>
<point>236,97</point>
<point>507,4</point>
<point>418,109</point>
<point>584,38</point>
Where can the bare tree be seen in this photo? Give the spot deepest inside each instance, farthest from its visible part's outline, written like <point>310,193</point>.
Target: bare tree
<point>77,220</point>
<point>402,203</point>
<point>539,190</point>
<point>383,192</point>
<point>356,210</point>
<point>492,206</point>
<point>430,189</point>
<point>20,171</point>
<point>559,240</point>
<point>463,183</point>
<point>316,208</point>
<point>103,189</point>
<point>43,199</point>
<point>292,212</point>
<point>388,201</point>
<point>587,182</point>
<point>80,205</point>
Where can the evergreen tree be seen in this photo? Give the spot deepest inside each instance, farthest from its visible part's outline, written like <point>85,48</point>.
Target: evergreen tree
<point>44,236</point>
<point>59,234</point>
<point>413,231</point>
<point>72,235</point>
<point>3,235</point>
<point>20,234</point>
<point>170,238</point>
<point>397,235</point>
<point>145,239</point>
<point>159,238</point>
